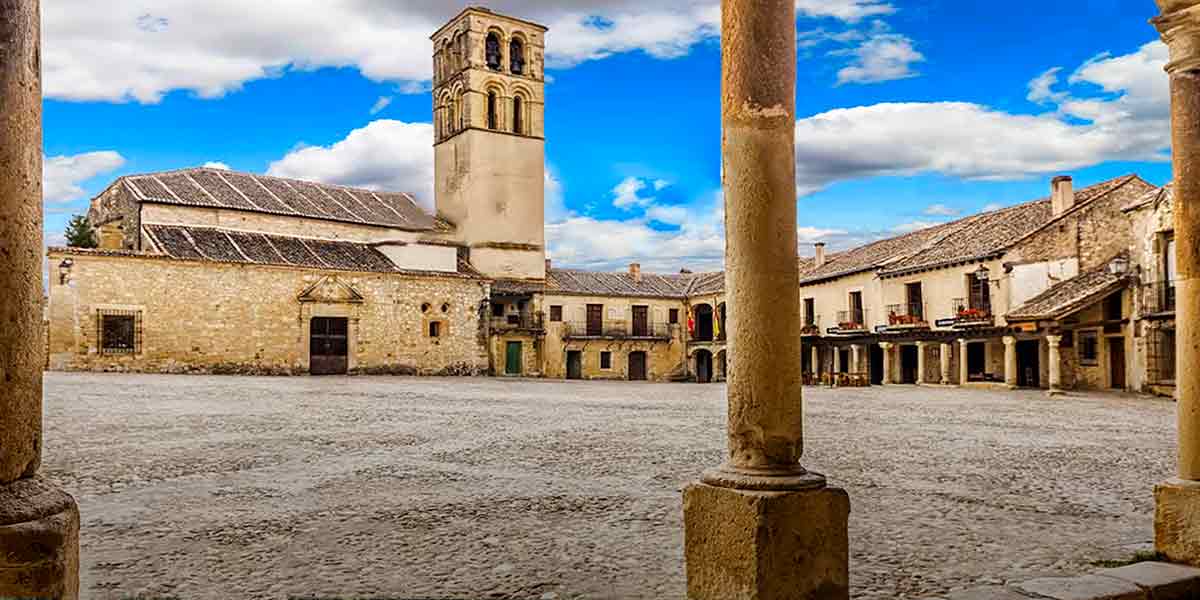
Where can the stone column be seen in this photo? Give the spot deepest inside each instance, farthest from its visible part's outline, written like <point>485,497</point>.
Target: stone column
<point>1053,342</point>
<point>944,355</point>
<point>816,359</point>
<point>920,363</point>
<point>837,360</point>
<point>39,524</point>
<point>887,362</point>
<point>856,358</point>
<point>963,374</point>
<point>761,526</point>
<point>1010,362</point>
<point>1177,514</point>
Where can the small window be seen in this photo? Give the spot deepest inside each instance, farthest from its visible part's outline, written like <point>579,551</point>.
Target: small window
<point>435,329</point>
<point>492,122</point>
<point>497,309</point>
<point>606,360</point>
<point>556,314</point>
<point>673,316</point>
<point>1089,348</point>
<point>119,332</point>
<point>445,307</point>
<point>425,307</point>
<point>518,113</point>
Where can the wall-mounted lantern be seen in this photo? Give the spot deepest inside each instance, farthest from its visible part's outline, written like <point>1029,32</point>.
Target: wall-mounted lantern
<point>983,274</point>
<point>1119,266</point>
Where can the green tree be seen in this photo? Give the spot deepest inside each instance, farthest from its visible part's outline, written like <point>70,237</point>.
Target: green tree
<point>79,233</point>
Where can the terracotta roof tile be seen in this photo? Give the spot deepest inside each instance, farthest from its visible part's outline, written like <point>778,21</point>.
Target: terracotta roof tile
<point>1069,296</point>
<point>275,195</point>
<point>591,283</point>
<point>220,245</point>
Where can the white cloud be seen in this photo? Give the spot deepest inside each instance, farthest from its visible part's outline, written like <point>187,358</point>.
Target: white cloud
<point>626,194</point>
<point>383,155</point>
<point>941,210</point>
<point>670,215</point>
<point>883,57</point>
<point>217,165</point>
<point>912,226</point>
<point>214,47</point>
<point>991,207</point>
<point>381,104</point>
<point>1128,121</point>
<point>63,175</point>
<point>556,207</point>
<point>1041,88</point>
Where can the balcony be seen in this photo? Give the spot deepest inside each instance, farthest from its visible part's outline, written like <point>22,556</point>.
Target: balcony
<point>971,314</point>
<point>851,321</point>
<point>810,329</point>
<point>616,330</point>
<point>1158,298</point>
<point>910,315</point>
<point>526,321</point>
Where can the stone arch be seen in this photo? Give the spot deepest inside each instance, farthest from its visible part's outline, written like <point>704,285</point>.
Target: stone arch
<point>495,96</point>
<point>494,51</point>
<point>720,365</point>
<point>518,54</point>
<point>702,366</point>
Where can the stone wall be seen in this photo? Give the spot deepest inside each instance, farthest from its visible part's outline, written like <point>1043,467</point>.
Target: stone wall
<point>214,317</point>
<point>663,357</point>
<point>116,208</point>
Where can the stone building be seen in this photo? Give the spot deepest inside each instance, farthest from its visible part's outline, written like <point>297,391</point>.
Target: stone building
<point>212,270</point>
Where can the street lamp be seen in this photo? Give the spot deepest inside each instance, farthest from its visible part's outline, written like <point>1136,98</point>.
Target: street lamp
<point>983,274</point>
<point>1119,266</point>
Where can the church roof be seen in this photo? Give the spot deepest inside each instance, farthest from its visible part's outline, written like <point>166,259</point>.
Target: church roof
<point>218,188</point>
<point>228,246</point>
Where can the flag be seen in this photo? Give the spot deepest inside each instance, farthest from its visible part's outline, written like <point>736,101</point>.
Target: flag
<point>691,321</point>
<point>716,321</point>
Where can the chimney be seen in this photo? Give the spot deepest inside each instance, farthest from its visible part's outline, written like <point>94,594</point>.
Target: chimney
<point>635,271</point>
<point>548,263</point>
<point>820,246</point>
<point>1062,194</point>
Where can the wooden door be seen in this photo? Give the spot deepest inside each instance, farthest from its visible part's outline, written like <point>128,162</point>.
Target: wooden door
<point>637,366</point>
<point>1029,369</point>
<point>641,321</point>
<point>512,358</point>
<point>976,360</point>
<point>1116,361</point>
<point>328,346</point>
<point>595,319</point>
<point>574,364</point>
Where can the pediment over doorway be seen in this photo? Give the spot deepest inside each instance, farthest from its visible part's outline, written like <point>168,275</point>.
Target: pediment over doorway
<point>331,290</point>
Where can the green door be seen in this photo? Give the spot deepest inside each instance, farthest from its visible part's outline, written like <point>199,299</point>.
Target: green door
<point>512,362</point>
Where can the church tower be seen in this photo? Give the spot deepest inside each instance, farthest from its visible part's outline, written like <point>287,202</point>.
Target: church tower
<point>488,95</point>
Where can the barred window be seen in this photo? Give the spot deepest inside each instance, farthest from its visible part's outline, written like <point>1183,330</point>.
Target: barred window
<point>556,313</point>
<point>1089,348</point>
<point>119,331</point>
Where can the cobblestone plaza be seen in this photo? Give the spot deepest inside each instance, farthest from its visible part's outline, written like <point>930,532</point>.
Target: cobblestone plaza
<point>214,487</point>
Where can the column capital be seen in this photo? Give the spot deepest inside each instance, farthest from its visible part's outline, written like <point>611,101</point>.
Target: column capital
<point>1179,26</point>
<point>886,345</point>
<point>1009,340</point>
<point>1054,340</point>
<point>963,341</point>
<point>921,344</point>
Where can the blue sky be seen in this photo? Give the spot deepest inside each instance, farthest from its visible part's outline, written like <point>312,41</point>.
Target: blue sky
<point>909,112</point>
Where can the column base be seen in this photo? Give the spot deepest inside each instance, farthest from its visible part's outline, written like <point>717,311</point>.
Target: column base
<point>1056,392</point>
<point>39,541</point>
<point>1177,521</point>
<point>756,545</point>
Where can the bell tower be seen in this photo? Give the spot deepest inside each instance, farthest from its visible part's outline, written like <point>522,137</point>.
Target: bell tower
<point>488,107</point>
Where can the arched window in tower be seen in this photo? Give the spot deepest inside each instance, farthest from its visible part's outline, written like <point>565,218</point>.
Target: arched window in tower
<point>516,53</point>
<point>493,51</point>
<point>518,115</point>
<point>451,118</point>
<point>491,111</point>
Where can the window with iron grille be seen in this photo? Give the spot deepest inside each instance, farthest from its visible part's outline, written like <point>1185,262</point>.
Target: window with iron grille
<point>1089,348</point>
<point>673,316</point>
<point>556,313</point>
<point>119,331</point>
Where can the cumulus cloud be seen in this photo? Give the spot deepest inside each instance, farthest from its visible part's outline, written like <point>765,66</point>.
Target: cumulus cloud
<point>1127,120</point>
<point>63,175</point>
<point>883,57</point>
<point>217,165</point>
<point>383,155</point>
<point>380,104</point>
<point>214,47</point>
<point>941,210</point>
<point>627,195</point>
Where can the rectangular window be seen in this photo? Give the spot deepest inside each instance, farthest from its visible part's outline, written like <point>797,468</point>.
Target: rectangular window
<point>595,319</point>
<point>916,301</point>
<point>556,314</point>
<point>1089,348</point>
<point>673,315</point>
<point>497,309</point>
<point>119,331</point>
<point>1166,355</point>
<point>606,360</point>
<point>856,309</point>
<point>810,311</point>
<point>435,329</point>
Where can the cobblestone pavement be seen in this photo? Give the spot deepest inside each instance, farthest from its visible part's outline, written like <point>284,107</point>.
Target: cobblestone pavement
<point>215,487</point>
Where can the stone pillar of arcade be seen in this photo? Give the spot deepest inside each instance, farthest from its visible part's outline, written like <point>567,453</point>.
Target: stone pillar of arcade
<point>1054,354</point>
<point>1010,362</point>
<point>963,372</point>
<point>920,363</point>
<point>39,524</point>
<point>887,362</point>
<point>1177,514</point>
<point>944,353</point>
<point>761,526</point>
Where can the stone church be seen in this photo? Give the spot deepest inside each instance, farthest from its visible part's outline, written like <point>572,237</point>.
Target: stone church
<point>206,270</point>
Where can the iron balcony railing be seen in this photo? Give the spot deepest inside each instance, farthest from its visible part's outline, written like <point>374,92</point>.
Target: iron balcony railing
<point>616,330</point>
<point>966,311</point>
<point>811,326</point>
<point>1158,297</point>
<point>519,321</point>
<point>909,314</point>
<point>852,320</point>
